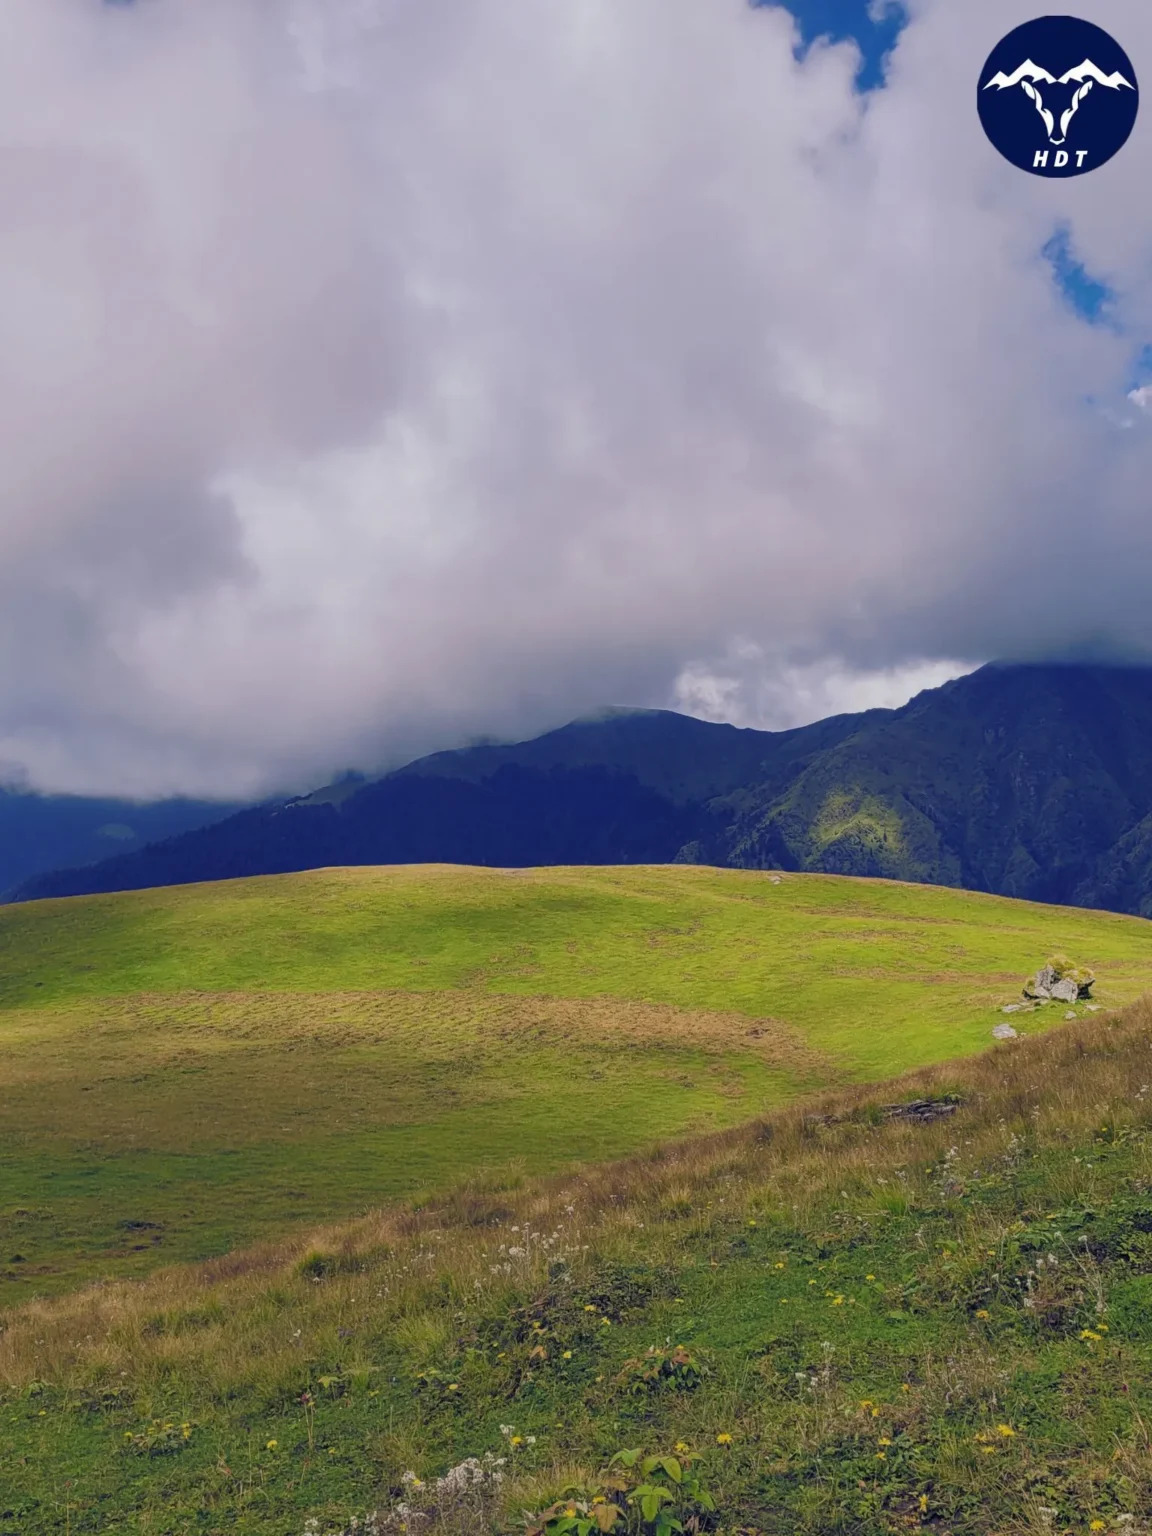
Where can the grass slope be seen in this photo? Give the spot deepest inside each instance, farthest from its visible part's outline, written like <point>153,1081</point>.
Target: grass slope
<point>190,1069</point>
<point>897,1327</point>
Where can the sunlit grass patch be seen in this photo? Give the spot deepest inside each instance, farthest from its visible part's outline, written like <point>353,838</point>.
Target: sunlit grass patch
<point>841,1321</point>
<point>190,1070</point>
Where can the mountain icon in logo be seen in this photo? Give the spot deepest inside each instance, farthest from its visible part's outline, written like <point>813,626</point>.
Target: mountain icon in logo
<point>1057,95</point>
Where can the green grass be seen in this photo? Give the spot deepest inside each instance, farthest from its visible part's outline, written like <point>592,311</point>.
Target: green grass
<point>902,1327</point>
<point>191,1069</point>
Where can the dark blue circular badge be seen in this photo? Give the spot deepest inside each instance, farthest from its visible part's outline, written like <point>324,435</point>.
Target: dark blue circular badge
<point>1057,96</point>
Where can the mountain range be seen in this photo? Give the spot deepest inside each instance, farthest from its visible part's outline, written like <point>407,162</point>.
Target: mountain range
<point>1024,780</point>
<point>45,832</point>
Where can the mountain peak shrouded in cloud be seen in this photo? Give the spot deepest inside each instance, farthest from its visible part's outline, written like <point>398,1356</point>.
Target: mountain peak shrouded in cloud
<point>378,376</point>
<point>1030,781</point>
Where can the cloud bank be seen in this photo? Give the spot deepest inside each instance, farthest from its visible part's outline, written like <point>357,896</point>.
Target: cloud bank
<point>375,375</point>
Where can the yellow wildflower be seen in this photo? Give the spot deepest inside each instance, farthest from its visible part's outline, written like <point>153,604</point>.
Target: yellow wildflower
<point>983,1314</point>
<point>723,1439</point>
<point>272,1444</point>
<point>1096,1525</point>
<point>680,1447</point>
<point>869,1277</point>
<point>779,1266</point>
<point>1089,1337</point>
<point>883,1440</point>
<point>923,1503</point>
<point>1005,1431</point>
<point>516,1440</point>
<point>567,1355</point>
<point>880,1456</point>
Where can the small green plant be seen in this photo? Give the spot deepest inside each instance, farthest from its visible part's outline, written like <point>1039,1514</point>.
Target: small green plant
<point>676,1367</point>
<point>577,1517</point>
<point>637,1495</point>
<point>430,1381</point>
<point>160,1437</point>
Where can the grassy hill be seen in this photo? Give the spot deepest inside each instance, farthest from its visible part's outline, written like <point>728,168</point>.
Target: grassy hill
<point>831,1321</point>
<point>187,1070</point>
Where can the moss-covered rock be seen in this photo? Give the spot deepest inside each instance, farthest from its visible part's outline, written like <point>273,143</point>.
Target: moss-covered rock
<point>1061,980</point>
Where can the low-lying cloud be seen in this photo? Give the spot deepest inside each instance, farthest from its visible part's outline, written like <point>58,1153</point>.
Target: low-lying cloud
<point>375,375</point>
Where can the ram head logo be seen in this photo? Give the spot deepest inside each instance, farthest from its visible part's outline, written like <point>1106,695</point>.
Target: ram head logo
<point>1030,77</point>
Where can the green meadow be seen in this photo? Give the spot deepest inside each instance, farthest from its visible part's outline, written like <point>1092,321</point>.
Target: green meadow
<point>829,1322</point>
<point>192,1069</point>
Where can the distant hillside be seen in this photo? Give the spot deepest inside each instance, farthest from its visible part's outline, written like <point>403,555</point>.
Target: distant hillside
<point>191,1068</point>
<point>631,787</point>
<point>1028,781</point>
<point>45,832</point>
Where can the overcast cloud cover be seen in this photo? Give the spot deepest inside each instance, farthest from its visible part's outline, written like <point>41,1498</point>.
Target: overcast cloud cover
<point>375,374</point>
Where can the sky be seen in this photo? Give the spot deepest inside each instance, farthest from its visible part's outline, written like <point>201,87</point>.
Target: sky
<point>379,376</point>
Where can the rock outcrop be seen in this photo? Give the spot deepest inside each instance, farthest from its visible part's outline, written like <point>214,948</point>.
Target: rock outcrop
<point>1060,981</point>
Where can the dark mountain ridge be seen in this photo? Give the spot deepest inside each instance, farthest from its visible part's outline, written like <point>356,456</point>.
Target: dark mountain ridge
<point>1030,781</point>
<point>39,833</point>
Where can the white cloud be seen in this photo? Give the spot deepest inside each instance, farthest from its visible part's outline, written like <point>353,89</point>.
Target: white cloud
<point>750,689</point>
<point>374,375</point>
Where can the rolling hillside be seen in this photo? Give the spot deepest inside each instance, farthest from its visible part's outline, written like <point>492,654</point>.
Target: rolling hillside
<point>1028,781</point>
<point>189,1069</point>
<point>835,1321</point>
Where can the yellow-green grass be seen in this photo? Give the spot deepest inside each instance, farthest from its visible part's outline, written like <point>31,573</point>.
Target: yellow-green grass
<point>938,1327</point>
<point>189,1069</point>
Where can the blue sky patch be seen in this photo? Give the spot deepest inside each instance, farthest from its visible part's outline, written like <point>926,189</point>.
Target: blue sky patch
<point>840,19</point>
<point>1089,297</point>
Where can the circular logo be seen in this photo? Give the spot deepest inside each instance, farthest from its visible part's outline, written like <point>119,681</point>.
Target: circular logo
<point>1057,96</point>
